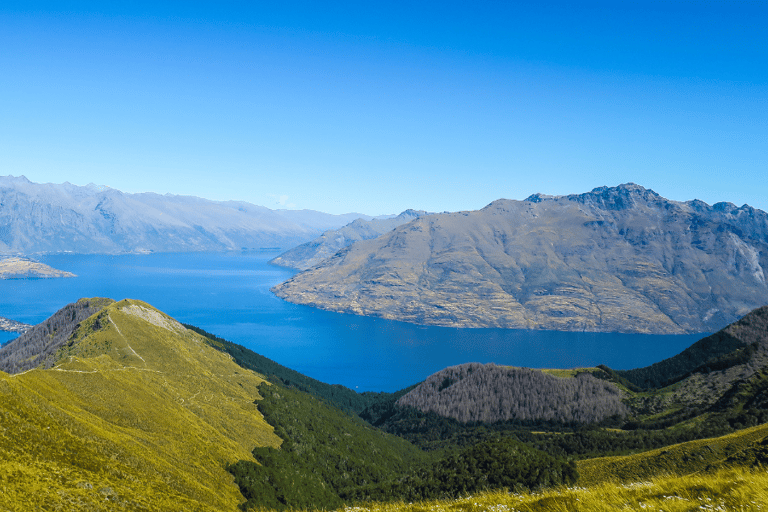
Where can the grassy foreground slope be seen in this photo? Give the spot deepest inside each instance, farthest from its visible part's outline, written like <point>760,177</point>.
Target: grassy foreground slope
<point>742,448</point>
<point>138,413</point>
<point>730,476</point>
<point>725,490</point>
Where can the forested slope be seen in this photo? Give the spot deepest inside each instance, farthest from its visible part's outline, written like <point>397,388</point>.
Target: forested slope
<point>738,343</point>
<point>38,345</point>
<point>490,393</point>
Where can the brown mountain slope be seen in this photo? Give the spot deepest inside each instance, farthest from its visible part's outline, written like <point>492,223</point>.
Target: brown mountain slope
<point>614,259</point>
<point>309,254</point>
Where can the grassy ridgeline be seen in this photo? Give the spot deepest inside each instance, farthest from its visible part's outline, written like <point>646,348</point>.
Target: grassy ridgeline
<point>342,397</point>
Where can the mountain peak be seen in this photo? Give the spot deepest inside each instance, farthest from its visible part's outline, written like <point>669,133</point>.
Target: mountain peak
<point>127,381</point>
<point>618,197</point>
<point>621,197</point>
<point>21,178</point>
<point>617,258</point>
<point>410,212</point>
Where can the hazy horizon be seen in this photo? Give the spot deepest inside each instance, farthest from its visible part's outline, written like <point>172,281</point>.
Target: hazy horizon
<point>375,108</point>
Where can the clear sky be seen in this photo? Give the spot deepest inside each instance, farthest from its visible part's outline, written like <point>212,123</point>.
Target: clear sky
<point>375,107</point>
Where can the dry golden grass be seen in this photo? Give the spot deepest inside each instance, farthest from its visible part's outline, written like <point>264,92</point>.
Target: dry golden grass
<point>726,490</point>
<point>680,460</point>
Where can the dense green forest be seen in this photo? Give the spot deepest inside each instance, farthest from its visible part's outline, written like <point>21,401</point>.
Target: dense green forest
<point>435,433</point>
<point>495,464</point>
<point>329,457</point>
<point>325,453</point>
<point>423,442</point>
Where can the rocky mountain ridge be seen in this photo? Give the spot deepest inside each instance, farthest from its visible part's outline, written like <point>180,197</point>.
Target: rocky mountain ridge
<point>50,218</point>
<point>613,259</point>
<point>309,254</point>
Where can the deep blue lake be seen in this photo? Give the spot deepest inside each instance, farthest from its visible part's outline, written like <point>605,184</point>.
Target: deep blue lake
<point>228,294</point>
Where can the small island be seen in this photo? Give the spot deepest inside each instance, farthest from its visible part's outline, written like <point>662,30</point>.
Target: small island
<point>9,325</point>
<point>23,268</point>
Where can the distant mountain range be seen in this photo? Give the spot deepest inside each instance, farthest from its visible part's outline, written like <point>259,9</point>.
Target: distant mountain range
<point>51,218</point>
<point>311,253</point>
<point>613,259</point>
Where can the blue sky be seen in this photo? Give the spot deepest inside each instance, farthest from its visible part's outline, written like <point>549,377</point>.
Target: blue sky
<point>378,107</point>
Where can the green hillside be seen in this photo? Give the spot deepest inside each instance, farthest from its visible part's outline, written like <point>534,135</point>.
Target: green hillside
<point>735,344</point>
<point>115,405</point>
<point>137,413</point>
<point>746,447</point>
<point>340,396</point>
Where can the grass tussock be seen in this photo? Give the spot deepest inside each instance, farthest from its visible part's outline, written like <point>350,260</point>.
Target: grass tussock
<point>735,489</point>
<point>682,459</point>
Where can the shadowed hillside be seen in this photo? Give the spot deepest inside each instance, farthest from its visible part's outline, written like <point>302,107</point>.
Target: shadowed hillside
<point>748,447</point>
<point>738,343</point>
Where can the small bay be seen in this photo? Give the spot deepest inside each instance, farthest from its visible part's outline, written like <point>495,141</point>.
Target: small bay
<point>228,295</point>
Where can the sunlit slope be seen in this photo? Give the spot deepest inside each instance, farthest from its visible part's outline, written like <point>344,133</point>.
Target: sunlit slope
<point>138,411</point>
<point>619,259</point>
<point>725,490</point>
<point>744,447</point>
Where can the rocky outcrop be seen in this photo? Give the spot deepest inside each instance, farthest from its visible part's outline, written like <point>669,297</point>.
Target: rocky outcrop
<point>614,259</point>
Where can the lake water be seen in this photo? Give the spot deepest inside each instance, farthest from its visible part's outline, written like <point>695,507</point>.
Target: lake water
<point>228,294</point>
